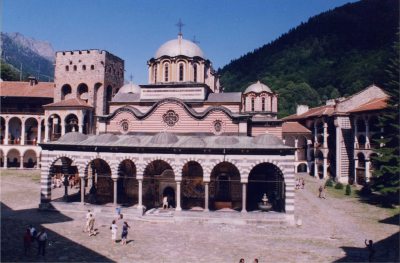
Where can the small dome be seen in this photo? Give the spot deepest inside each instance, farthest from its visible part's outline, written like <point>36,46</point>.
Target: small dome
<point>195,142</point>
<point>267,139</point>
<point>164,138</point>
<point>178,47</point>
<point>73,137</point>
<point>106,138</point>
<point>129,88</point>
<point>257,87</point>
<point>129,140</point>
<point>226,140</point>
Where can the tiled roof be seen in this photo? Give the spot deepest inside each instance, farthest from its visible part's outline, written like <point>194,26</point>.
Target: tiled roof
<point>313,112</point>
<point>374,104</point>
<point>24,89</point>
<point>294,127</point>
<point>75,102</point>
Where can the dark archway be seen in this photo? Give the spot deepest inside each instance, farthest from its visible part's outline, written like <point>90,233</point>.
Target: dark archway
<point>192,185</point>
<point>266,178</point>
<point>169,192</point>
<point>65,183</point>
<point>127,186</point>
<point>302,168</point>
<point>99,182</point>
<point>71,123</point>
<point>54,123</point>
<point>225,187</point>
<point>360,170</point>
<point>157,176</point>
<point>13,158</point>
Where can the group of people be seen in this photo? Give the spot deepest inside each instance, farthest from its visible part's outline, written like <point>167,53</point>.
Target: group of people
<point>58,180</point>
<point>300,183</point>
<point>31,235</point>
<point>90,227</point>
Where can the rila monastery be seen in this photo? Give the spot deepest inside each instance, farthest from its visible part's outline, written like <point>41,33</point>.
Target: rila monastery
<point>179,135</point>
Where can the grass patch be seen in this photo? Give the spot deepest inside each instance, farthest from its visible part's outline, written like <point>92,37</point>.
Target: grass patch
<point>341,193</point>
<point>34,174</point>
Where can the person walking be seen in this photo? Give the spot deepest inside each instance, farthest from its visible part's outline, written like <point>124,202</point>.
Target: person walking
<point>88,215</point>
<point>33,232</point>
<point>27,241</point>
<point>371,250</point>
<point>114,229</point>
<point>42,240</point>
<point>91,225</point>
<point>124,234</point>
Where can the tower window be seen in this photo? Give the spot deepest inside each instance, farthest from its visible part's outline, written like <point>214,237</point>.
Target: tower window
<point>92,67</point>
<point>84,67</point>
<point>195,73</point>
<point>155,74</point>
<point>75,68</point>
<point>66,68</point>
<point>252,104</point>
<point>263,104</point>
<point>180,72</point>
<point>166,72</point>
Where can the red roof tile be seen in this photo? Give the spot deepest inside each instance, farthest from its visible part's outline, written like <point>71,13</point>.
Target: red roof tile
<point>374,104</point>
<point>313,112</point>
<point>294,127</point>
<point>24,89</point>
<point>75,102</point>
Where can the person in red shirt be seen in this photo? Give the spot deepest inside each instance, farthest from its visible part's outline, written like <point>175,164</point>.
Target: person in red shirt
<point>27,241</point>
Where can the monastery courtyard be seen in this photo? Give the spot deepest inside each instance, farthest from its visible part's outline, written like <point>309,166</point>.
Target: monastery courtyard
<point>333,229</point>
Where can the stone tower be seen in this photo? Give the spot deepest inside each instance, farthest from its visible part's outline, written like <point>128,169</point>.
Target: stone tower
<point>90,75</point>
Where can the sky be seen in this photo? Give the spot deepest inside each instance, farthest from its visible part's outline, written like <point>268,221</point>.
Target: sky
<point>134,29</point>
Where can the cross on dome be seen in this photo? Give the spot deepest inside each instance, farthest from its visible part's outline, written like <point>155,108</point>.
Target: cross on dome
<point>180,25</point>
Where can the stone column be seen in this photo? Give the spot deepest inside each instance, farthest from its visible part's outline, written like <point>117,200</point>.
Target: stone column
<point>355,170</point>
<point>355,134</point>
<point>82,190</point>
<point>46,131</point>
<point>6,134</point>
<point>115,191</point>
<point>367,173</point>
<point>315,165</point>
<point>296,153</point>
<point>62,128</point>
<point>39,133</point>
<point>178,196</point>
<point>5,161</point>
<point>38,161</point>
<point>325,173</point>
<point>367,143</point>
<point>22,142</point>
<point>244,187</point>
<point>140,194</point>
<point>206,209</point>
<point>80,129</point>
<point>21,163</point>
<point>325,135</point>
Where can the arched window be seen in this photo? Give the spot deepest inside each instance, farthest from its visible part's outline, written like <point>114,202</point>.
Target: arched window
<point>155,74</point>
<point>66,68</point>
<point>181,72</point>
<point>92,67</point>
<point>263,104</point>
<point>75,68</point>
<point>84,67</point>
<point>166,72</point>
<point>252,104</point>
<point>195,73</point>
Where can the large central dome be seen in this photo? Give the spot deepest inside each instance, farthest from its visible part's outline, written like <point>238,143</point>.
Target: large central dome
<point>179,46</point>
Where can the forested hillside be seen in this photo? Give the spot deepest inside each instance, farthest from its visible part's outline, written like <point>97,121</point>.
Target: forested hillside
<point>336,53</point>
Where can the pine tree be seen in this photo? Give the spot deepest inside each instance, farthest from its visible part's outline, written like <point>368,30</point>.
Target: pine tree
<point>386,175</point>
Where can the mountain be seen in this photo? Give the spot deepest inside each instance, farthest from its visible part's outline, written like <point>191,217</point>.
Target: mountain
<point>333,54</point>
<point>35,56</point>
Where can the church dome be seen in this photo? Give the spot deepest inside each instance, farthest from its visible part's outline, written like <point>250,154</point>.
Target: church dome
<point>73,137</point>
<point>164,138</point>
<point>257,87</point>
<point>267,140</point>
<point>129,88</point>
<point>178,47</point>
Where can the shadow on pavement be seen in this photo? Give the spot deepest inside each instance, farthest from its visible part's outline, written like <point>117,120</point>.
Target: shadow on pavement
<point>59,249</point>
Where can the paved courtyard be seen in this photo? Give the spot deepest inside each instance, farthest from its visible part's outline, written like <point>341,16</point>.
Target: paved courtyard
<point>332,230</point>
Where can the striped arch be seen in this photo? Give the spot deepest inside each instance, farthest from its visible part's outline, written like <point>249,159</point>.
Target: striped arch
<point>92,158</point>
<point>120,160</point>
<point>164,159</point>
<point>54,159</point>
<point>277,164</point>
<point>183,162</point>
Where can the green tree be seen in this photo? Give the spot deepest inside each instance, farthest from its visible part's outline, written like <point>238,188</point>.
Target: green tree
<point>386,176</point>
<point>8,73</point>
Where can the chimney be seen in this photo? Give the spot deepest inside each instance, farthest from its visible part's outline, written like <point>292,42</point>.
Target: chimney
<point>32,80</point>
<point>301,109</point>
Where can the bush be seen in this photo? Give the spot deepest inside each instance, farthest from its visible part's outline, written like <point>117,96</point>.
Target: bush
<point>339,186</point>
<point>348,189</point>
<point>329,182</point>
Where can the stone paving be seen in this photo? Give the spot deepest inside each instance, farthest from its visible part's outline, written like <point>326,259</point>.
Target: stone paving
<point>332,230</point>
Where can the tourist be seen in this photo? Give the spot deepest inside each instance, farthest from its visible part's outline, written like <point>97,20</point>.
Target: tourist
<point>114,229</point>
<point>33,232</point>
<point>27,241</point>
<point>371,250</point>
<point>241,260</point>
<point>320,190</point>
<point>124,233</point>
<point>42,239</point>
<point>91,225</point>
<point>302,183</point>
<point>88,215</point>
<point>165,202</point>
